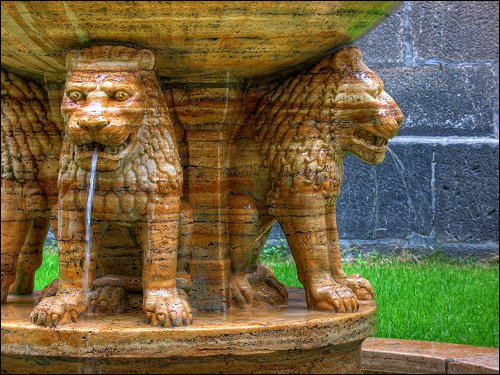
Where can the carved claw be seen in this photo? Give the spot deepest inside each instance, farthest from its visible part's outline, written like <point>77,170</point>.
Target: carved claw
<point>59,309</point>
<point>165,308</point>
<point>334,297</point>
<point>359,285</point>
<point>266,287</point>
<point>241,290</point>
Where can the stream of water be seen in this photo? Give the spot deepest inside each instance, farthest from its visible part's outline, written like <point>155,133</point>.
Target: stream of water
<point>88,222</point>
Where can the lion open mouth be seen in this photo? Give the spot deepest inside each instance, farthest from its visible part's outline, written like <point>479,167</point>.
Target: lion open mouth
<point>369,139</point>
<point>107,151</point>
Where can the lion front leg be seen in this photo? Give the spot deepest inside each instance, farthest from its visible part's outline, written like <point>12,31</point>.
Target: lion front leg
<point>305,230</point>
<point>359,285</point>
<point>159,236</point>
<point>184,252</point>
<point>75,275</point>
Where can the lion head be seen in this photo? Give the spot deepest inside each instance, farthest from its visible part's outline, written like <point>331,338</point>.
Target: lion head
<point>307,122</point>
<point>113,104</point>
<point>365,117</point>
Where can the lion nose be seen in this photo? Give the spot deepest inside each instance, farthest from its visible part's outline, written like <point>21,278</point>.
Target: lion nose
<point>93,118</point>
<point>92,122</point>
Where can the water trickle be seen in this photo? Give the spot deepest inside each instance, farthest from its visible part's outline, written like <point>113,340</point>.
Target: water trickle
<point>413,191</point>
<point>88,221</point>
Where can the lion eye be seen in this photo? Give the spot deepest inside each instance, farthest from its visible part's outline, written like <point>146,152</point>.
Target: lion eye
<point>75,96</point>
<point>121,96</point>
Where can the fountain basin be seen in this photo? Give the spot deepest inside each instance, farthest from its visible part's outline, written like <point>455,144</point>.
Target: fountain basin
<point>290,339</point>
<point>239,341</point>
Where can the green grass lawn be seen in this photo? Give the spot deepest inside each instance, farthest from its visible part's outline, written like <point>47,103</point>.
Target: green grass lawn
<point>431,300</point>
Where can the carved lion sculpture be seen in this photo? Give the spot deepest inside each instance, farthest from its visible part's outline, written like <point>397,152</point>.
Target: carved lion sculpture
<point>114,109</point>
<point>287,166</point>
<point>31,146</point>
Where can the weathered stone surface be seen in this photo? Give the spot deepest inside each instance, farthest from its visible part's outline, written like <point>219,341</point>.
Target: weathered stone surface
<point>474,364</point>
<point>287,340</point>
<point>466,193</point>
<point>246,39</point>
<point>381,355</point>
<point>454,31</point>
<point>384,44</point>
<point>454,100</point>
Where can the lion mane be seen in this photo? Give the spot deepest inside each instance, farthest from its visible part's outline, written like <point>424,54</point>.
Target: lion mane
<point>156,167</point>
<point>30,137</point>
<point>294,129</point>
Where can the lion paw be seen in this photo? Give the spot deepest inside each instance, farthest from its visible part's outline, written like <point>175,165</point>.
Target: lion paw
<point>359,285</point>
<point>165,308</point>
<point>107,299</point>
<point>59,309</point>
<point>333,297</point>
<point>241,290</point>
<point>266,287</point>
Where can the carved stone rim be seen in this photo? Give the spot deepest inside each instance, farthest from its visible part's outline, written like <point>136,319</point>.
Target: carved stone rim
<point>235,332</point>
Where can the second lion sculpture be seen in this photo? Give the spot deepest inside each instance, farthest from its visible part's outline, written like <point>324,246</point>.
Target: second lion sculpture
<point>287,166</point>
<point>114,109</point>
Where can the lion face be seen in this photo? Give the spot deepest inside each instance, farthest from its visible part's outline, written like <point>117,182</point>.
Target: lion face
<point>364,115</point>
<point>103,111</point>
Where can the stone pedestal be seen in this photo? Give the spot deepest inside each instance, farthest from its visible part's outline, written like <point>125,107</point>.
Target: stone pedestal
<point>256,340</point>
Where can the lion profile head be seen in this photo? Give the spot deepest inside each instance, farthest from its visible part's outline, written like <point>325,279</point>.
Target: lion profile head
<point>306,123</point>
<point>113,104</point>
<point>365,117</point>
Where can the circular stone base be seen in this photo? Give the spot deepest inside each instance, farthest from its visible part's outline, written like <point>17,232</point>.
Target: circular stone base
<point>287,339</point>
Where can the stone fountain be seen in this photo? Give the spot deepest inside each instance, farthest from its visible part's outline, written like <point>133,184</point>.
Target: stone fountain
<point>162,141</point>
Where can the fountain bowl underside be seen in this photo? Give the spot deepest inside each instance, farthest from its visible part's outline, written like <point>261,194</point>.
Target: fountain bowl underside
<point>287,339</point>
<point>245,39</point>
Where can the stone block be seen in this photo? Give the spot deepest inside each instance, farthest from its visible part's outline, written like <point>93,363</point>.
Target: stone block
<point>384,44</point>
<point>389,200</point>
<point>454,31</point>
<point>466,193</point>
<point>392,200</point>
<point>447,101</point>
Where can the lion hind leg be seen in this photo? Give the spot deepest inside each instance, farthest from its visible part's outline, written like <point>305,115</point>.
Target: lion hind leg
<point>243,227</point>
<point>107,299</point>
<point>30,258</point>
<point>13,238</point>
<point>266,287</point>
<point>14,229</point>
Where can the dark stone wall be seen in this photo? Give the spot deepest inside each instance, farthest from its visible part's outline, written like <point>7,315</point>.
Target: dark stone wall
<point>438,186</point>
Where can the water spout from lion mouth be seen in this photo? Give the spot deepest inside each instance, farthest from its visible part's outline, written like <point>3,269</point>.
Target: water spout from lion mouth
<point>110,152</point>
